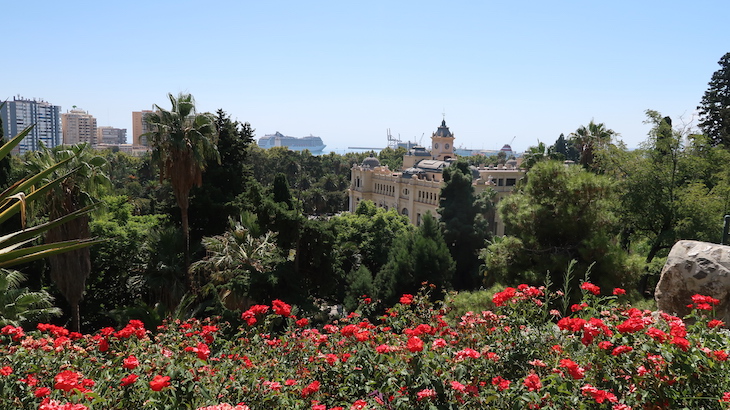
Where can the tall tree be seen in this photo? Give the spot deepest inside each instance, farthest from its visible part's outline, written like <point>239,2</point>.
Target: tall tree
<point>588,139</point>
<point>82,177</point>
<point>561,214</point>
<point>212,204</point>
<point>670,191</point>
<point>458,209</point>
<point>182,142</point>
<point>568,151</point>
<point>416,257</point>
<point>714,109</point>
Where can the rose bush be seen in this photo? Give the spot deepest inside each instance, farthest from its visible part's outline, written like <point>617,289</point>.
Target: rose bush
<point>519,355</point>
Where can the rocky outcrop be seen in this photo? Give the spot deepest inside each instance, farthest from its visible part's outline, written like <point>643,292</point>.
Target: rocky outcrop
<point>695,268</point>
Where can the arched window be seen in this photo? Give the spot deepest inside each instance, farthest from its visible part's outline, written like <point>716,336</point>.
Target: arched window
<point>404,211</point>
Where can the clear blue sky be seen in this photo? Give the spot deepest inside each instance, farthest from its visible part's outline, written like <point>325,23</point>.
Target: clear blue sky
<point>348,71</point>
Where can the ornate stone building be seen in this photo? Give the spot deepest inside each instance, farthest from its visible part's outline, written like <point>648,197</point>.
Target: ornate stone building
<point>415,189</point>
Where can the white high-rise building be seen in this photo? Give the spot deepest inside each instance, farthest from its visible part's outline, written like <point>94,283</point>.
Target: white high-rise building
<point>21,113</point>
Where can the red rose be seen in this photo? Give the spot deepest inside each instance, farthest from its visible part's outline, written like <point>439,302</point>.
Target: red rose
<point>126,381</point>
<point>415,344</point>
<point>130,363</point>
<point>311,388</point>
<point>406,299</point>
<point>281,308</point>
<point>591,288</point>
<point>159,382</point>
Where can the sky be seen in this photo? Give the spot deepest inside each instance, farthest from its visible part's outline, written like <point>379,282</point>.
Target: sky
<point>498,72</point>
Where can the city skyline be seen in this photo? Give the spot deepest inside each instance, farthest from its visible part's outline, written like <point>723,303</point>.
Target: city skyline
<point>523,71</point>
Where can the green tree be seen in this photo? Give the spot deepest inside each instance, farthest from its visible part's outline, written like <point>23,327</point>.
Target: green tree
<point>82,179</point>
<point>670,191</point>
<point>561,214</point>
<point>588,139</point>
<point>182,142</point>
<point>714,109</point>
<point>164,276</point>
<point>118,261</point>
<point>541,152</point>
<point>458,209</point>
<point>366,236</point>
<point>416,257</point>
<point>567,151</point>
<point>281,191</point>
<point>393,158</point>
<point>213,203</point>
<point>359,283</point>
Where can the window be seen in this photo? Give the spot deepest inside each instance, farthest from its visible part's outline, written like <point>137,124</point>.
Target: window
<point>404,211</point>
<point>511,182</point>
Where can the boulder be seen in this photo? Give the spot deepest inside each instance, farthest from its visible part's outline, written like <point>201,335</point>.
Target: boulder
<point>695,268</point>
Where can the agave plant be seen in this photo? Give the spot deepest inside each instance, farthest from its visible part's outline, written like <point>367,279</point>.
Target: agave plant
<point>20,247</point>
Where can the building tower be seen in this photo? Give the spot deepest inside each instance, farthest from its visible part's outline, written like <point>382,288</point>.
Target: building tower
<point>140,127</point>
<point>79,126</point>
<point>442,143</point>
<point>21,113</point>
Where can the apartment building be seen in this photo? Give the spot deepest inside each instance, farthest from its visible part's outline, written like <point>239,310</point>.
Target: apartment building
<point>20,113</point>
<point>79,126</point>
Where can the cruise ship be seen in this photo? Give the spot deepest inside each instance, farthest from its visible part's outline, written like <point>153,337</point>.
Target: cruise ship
<point>312,143</point>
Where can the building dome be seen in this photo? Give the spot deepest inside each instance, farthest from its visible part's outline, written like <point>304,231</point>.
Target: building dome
<point>371,162</point>
<point>443,131</point>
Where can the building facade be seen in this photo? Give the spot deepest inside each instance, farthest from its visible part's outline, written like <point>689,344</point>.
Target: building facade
<point>416,188</point>
<point>140,127</point>
<point>79,126</point>
<point>111,135</point>
<point>21,113</point>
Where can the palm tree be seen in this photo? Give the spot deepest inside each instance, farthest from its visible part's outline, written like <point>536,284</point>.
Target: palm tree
<point>534,154</point>
<point>182,141</point>
<point>588,139</point>
<point>19,247</point>
<point>18,305</point>
<point>81,179</point>
<point>237,261</point>
<point>14,246</point>
<point>163,274</point>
